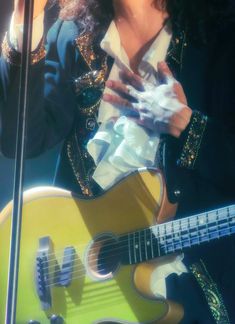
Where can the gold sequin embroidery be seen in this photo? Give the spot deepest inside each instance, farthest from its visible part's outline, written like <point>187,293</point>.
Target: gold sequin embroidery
<point>193,142</point>
<point>91,80</point>
<point>83,43</point>
<point>211,292</point>
<point>76,159</point>
<point>174,57</point>
<point>13,57</point>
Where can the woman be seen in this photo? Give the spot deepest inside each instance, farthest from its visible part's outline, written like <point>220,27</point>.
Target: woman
<point>197,153</point>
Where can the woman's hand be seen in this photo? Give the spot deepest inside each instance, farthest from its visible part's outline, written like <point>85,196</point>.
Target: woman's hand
<point>162,109</point>
<point>39,6</point>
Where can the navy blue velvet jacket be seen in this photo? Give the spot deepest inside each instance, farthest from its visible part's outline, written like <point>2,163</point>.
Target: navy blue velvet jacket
<point>62,109</point>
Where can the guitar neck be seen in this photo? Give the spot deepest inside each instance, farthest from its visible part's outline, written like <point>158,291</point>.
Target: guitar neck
<point>178,235</point>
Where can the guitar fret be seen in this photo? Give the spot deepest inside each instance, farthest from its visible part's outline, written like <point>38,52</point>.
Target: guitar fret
<point>217,220</point>
<point>202,229</point>
<point>189,234</point>
<point>161,237</point>
<point>228,218</point>
<point>148,244</point>
<point>175,235</point>
<point>197,222</point>
<point>171,247</point>
<point>165,233</point>
<point>186,234</point>
<point>193,221</point>
<point>213,231</point>
<point>158,242</point>
<point>207,229</point>
<point>151,243</point>
<point>180,234</point>
<point>145,245</point>
<point>140,254</point>
<point>134,248</point>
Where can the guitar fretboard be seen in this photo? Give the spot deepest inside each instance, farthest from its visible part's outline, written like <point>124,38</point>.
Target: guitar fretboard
<point>177,235</point>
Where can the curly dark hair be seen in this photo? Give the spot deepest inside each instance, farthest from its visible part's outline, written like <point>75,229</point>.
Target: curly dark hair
<point>199,17</point>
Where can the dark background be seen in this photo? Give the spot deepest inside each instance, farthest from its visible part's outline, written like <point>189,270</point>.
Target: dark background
<point>38,171</point>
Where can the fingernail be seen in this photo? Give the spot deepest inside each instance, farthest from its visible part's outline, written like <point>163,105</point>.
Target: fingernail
<point>106,97</point>
<point>109,83</point>
<point>162,64</point>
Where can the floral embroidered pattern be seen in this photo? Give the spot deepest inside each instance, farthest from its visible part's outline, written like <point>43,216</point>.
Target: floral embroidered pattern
<point>211,292</point>
<point>193,142</point>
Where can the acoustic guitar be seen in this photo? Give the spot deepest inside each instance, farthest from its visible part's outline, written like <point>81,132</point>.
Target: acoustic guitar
<point>85,261</point>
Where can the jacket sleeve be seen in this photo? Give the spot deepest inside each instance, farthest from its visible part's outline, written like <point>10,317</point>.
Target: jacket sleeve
<point>207,146</point>
<point>51,100</point>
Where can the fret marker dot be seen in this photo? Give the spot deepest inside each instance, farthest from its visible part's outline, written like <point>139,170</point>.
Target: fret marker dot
<point>137,246</point>
<point>148,243</point>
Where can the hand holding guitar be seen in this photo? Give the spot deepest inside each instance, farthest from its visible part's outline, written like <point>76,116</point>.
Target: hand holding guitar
<point>162,109</point>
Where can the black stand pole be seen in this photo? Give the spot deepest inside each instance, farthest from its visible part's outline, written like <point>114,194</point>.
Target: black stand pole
<point>19,167</point>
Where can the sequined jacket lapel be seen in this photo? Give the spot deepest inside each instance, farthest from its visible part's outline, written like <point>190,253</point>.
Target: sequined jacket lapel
<point>88,86</point>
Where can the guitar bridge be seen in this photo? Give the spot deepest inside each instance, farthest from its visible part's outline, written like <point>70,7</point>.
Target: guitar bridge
<point>43,280</point>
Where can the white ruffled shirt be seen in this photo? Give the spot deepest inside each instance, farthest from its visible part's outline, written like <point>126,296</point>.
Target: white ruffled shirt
<point>121,146</point>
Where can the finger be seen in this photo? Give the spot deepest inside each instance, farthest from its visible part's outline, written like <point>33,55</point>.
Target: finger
<point>174,126</point>
<point>164,69</point>
<point>162,127</point>
<point>165,73</point>
<point>126,91</point>
<point>179,91</point>
<point>132,79</point>
<point>117,86</point>
<point>121,103</point>
<point>185,114</point>
<point>116,100</point>
<point>177,122</point>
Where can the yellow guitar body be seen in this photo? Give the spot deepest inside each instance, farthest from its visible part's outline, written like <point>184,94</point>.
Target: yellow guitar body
<point>122,297</point>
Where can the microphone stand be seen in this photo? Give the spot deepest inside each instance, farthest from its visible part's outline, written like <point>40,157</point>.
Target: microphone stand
<point>11,303</point>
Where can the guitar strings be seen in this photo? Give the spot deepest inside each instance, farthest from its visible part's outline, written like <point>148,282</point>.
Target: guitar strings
<point>166,245</point>
<point>167,230</point>
<point>169,226</point>
<point>81,273</point>
<point>108,257</point>
<point>121,245</point>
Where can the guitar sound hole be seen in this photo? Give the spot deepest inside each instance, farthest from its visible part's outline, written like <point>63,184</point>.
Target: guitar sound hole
<point>108,257</point>
<point>103,257</point>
